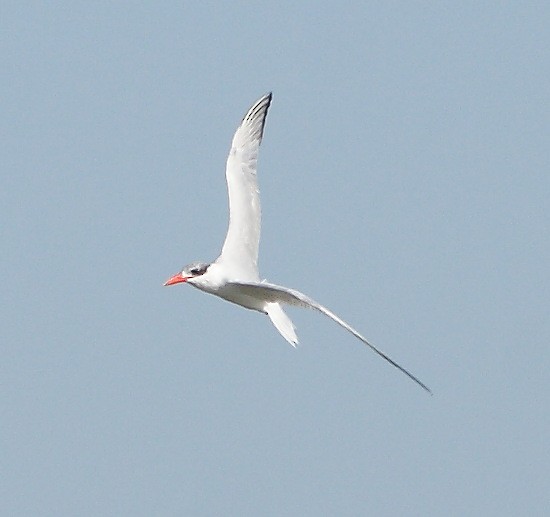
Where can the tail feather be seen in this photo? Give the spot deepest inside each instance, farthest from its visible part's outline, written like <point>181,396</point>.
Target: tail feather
<point>282,322</point>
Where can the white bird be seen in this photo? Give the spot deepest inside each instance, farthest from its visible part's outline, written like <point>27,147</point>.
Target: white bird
<point>234,275</point>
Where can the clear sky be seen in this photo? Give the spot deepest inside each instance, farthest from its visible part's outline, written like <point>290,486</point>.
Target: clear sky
<point>405,178</point>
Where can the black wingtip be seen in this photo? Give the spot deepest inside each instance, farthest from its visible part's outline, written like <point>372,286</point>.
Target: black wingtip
<point>261,105</point>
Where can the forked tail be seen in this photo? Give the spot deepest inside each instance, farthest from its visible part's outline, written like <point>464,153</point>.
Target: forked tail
<point>282,322</point>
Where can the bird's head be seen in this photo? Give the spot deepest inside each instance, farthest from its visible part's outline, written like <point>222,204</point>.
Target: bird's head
<point>188,273</point>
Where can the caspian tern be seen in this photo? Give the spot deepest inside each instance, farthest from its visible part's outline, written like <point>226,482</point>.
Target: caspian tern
<point>234,275</point>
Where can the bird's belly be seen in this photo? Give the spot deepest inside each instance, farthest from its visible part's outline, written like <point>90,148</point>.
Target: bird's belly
<point>233,295</point>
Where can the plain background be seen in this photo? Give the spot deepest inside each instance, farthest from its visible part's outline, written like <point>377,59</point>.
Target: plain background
<point>405,184</point>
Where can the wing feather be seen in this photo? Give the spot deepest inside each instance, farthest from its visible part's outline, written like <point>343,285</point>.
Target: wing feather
<point>272,293</point>
<point>240,249</point>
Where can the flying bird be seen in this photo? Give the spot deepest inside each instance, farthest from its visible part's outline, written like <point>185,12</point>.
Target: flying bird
<point>234,275</point>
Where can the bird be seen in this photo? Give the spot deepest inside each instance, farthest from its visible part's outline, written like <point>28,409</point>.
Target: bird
<point>234,275</point>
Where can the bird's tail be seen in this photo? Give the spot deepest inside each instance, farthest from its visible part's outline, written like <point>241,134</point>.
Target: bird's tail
<point>282,322</point>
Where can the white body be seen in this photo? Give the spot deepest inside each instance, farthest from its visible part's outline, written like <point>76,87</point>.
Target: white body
<point>234,275</point>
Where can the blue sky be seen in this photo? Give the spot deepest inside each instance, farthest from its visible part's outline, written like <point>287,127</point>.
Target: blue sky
<point>405,183</point>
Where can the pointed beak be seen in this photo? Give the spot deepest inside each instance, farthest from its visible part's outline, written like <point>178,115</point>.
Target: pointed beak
<point>176,279</point>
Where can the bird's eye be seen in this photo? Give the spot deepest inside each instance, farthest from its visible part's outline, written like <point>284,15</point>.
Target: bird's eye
<point>198,270</point>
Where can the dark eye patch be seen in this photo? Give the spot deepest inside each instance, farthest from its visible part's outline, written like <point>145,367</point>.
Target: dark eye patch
<point>199,270</point>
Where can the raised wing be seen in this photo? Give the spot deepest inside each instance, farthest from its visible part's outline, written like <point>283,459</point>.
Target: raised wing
<point>279,294</point>
<point>240,249</point>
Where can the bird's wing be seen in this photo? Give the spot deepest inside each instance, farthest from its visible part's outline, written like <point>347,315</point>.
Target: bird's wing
<point>276,293</point>
<point>240,249</point>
